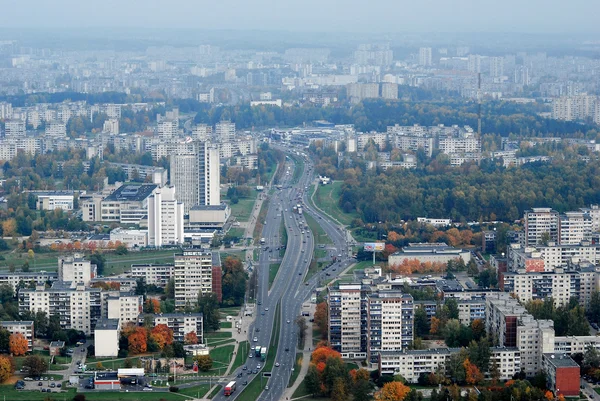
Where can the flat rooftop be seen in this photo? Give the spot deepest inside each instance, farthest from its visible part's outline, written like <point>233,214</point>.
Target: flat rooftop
<point>131,193</point>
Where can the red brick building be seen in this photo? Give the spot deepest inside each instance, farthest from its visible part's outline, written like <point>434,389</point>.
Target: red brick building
<point>562,374</point>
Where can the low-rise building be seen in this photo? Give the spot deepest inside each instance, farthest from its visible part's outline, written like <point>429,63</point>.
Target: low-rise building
<point>131,238</point>
<point>180,323</point>
<point>13,279</point>
<point>51,200</point>
<point>562,374</point>
<point>158,275</point>
<point>429,252</point>
<point>128,204</point>
<point>24,327</point>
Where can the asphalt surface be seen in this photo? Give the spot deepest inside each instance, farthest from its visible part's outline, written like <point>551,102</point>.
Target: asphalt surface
<point>289,289</point>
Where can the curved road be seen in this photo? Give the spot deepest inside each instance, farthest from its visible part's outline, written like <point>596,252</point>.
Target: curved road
<point>289,289</point>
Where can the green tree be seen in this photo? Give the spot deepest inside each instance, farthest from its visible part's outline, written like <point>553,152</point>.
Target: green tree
<point>234,282</point>
<point>205,362</point>
<point>421,323</point>
<point>452,306</point>
<point>36,365</point>
<point>312,381</point>
<point>99,260</point>
<point>208,305</point>
<point>4,340</point>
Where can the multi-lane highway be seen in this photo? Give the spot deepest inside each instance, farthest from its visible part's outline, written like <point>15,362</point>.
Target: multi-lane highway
<point>289,289</point>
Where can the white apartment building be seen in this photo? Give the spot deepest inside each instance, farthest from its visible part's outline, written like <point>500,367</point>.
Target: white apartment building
<point>345,331</point>
<point>390,321</point>
<point>425,58</point>
<point>412,363</point>
<point>539,221</point>
<point>167,129</point>
<point>193,275</point>
<point>560,285</point>
<point>165,218</point>
<point>225,131</point>
<point>197,176</point>
<point>575,344</point>
<point>534,338</point>
<point>574,227</point>
<point>125,307</point>
<point>106,338</point>
<point>509,323</point>
<point>131,238</point>
<point>77,306</point>
<point>24,327</point>
<point>6,111</point>
<point>180,323</point>
<point>158,275</point>
<point>14,128</point>
<point>552,256</point>
<point>467,144</point>
<point>76,269</point>
<point>13,279</point>
<point>91,206</point>
<point>202,132</point>
<point>435,222</point>
<point>56,129</point>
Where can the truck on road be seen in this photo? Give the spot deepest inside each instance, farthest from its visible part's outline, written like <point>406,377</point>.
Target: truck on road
<point>257,351</point>
<point>263,353</point>
<point>229,389</point>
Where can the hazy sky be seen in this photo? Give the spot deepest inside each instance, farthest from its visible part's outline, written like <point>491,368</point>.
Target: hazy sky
<point>532,16</point>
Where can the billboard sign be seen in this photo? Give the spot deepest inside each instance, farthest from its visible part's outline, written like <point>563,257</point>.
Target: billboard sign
<point>374,246</point>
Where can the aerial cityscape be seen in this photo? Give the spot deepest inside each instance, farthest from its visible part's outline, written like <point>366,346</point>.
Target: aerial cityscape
<point>303,201</point>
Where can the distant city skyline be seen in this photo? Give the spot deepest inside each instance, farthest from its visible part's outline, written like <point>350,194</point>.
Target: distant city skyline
<point>531,16</point>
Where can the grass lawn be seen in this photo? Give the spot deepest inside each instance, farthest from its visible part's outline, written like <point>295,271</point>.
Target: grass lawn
<point>326,198</point>
<point>225,325</point>
<point>243,208</point>
<point>236,232</point>
<point>273,269</point>
<point>317,230</point>
<point>240,357</point>
<point>274,340</point>
<point>215,391</point>
<point>219,342</point>
<point>221,356</point>
<point>297,367</point>
<point>196,391</point>
<point>364,264</point>
<point>115,264</point>
<point>301,391</point>
<point>217,335</point>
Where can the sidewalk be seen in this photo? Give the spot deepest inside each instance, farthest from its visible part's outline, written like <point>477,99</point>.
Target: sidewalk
<point>308,348</point>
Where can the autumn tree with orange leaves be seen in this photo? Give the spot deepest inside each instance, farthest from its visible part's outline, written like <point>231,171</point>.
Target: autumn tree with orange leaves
<point>138,340</point>
<point>191,338</point>
<point>162,335</point>
<point>410,266</point>
<point>472,373</point>
<point>17,344</point>
<point>152,305</point>
<point>393,391</point>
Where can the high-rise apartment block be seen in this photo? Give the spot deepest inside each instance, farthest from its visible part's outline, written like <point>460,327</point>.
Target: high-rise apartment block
<point>165,218</point>
<point>225,131</point>
<point>544,225</point>
<point>540,222</point>
<point>196,176</point>
<point>76,269</point>
<point>425,58</point>
<point>14,128</point>
<point>364,321</point>
<point>193,275</point>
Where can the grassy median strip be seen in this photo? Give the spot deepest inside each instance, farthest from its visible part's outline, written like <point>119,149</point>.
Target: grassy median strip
<point>273,269</point>
<point>320,236</point>
<point>256,386</point>
<point>297,367</point>
<point>215,391</point>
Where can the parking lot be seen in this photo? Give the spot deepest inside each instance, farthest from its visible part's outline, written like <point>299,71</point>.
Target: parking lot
<point>49,386</point>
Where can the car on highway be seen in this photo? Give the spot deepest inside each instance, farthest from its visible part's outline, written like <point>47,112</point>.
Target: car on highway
<point>287,321</point>
<point>266,388</point>
<point>266,309</point>
<point>258,366</point>
<point>245,368</point>
<point>276,364</point>
<point>255,339</point>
